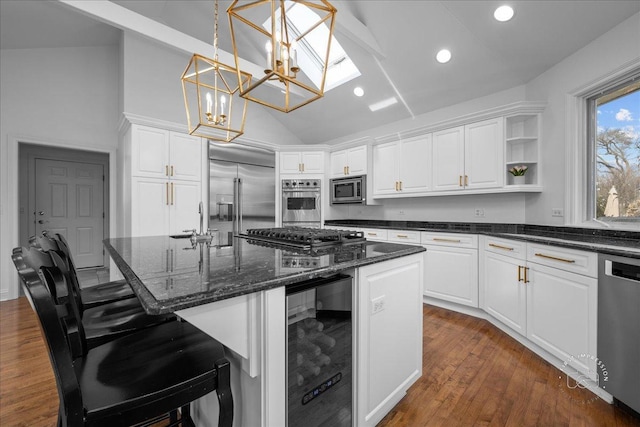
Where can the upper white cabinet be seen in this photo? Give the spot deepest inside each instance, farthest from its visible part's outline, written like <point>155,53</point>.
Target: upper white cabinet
<point>349,162</point>
<point>159,153</point>
<point>522,145</point>
<point>469,157</point>
<point>402,167</point>
<point>293,162</point>
<point>163,182</point>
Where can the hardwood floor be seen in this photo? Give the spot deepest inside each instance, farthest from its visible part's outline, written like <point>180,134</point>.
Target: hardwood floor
<point>473,374</point>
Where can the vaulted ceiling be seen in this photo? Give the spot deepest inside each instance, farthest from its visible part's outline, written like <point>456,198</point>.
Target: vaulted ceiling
<point>392,42</point>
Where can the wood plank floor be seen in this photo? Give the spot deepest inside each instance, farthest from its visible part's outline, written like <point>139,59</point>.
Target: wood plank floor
<point>473,375</point>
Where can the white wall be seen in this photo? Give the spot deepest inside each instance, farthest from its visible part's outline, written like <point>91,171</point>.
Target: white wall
<point>609,52</point>
<point>61,97</point>
<point>505,208</point>
<point>152,88</point>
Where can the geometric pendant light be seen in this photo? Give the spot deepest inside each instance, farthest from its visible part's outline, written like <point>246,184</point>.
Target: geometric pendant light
<point>211,95</point>
<point>292,39</point>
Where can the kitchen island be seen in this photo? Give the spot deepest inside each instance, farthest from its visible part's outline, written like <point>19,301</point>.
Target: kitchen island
<point>237,295</point>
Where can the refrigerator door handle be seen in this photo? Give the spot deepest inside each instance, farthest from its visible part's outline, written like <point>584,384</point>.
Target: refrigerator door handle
<point>236,207</point>
<point>240,206</point>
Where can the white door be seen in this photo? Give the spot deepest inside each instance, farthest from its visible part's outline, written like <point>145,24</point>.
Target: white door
<point>70,201</point>
<point>451,274</point>
<point>385,168</point>
<point>483,154</point>
<point>150,208</point>
<point>448,159</point>
<point>415,164</point>
<point>505,295</point>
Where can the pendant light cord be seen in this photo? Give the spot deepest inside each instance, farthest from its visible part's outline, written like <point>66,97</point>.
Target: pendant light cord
<point>215,29</point>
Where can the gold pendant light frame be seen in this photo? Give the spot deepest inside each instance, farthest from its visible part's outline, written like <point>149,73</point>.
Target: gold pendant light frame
<point>211,92</point>
<point>282,70</point>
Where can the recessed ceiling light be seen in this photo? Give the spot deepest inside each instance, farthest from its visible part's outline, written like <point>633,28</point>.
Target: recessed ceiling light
<point>443,56</point>
<point>383,104</point>
<point>358,91</point>
<point>503,13</point>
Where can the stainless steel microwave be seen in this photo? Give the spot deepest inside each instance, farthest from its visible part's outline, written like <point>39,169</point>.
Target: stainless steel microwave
<point>350,189</point>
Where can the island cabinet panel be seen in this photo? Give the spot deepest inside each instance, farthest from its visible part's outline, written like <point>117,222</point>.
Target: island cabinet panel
<point>389,338</point>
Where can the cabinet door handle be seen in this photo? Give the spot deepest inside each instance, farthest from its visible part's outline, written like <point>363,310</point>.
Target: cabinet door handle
<point>301,167</point>
<point>172,193</point>
<point>171,170</point>
<point>526,277</point>
<point>347,170</point>
<point>460,180</point>
<point>519,273</point>
<point>466,181</point>
<point>568,261</point>
<point>396,185</point>
<point>400,185</point>
<point>440,239</point>
<point>344,170</point>
<point>166,170</point>
<point>167,188</point>
<point>506,248</point>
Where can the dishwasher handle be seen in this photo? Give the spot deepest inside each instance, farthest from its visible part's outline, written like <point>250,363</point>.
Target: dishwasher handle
<point>620,269</point>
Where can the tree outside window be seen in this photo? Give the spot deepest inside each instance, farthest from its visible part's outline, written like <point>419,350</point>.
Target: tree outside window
<point>618,155</point>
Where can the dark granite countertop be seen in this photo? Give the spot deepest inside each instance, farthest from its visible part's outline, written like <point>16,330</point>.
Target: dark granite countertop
<point>171,274</point>
<point>606,241</point>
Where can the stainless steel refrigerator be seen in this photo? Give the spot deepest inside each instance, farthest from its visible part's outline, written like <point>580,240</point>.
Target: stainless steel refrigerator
<point>242,190</point>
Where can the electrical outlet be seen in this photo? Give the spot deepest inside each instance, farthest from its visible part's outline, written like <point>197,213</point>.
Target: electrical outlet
<point>557,212</point>
<point>401,213</point>
<point>377,304</point>
<point>479,212</point>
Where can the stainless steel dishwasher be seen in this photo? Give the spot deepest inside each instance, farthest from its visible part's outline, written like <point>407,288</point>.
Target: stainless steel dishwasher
<point>619,327</point>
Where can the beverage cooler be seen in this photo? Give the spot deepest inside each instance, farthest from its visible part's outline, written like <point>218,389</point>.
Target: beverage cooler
<point>319,352</point>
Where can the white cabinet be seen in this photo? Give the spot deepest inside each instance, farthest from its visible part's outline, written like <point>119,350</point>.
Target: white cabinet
<point>293,162</point>
<point>469,157</point>
<point>163,183</point>
<point>536,290</point>
<point>349,162</point>
<point>451,267</point>
<point>389,339</point>
<point>402,167</point>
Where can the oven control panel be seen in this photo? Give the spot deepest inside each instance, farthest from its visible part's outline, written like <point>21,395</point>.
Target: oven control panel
<point>300,183</point>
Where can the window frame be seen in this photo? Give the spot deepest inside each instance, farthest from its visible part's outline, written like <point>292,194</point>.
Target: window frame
<point>579,153</point>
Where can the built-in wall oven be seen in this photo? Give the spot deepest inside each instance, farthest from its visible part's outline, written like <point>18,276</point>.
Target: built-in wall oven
<point>301,203</point>
<point>319,353</point>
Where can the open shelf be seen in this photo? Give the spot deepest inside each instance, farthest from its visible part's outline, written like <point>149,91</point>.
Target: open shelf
<point>522,147</point>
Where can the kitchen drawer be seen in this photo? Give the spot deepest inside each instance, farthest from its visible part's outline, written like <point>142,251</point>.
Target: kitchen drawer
<point>511,248</point>
<point>404,236</point>
<point>375,234</point>
<point>449,239</point>
<point>566,259</point>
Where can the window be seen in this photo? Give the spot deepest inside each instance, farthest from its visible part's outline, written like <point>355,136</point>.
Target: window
<point>614,154</point>
<point>340,68</point>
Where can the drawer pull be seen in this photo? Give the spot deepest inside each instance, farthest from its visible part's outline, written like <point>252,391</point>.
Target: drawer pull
<point>506,248</point>
<point>568,261</point>
<point>372,234</point>
<point>440,239</point>
<point>403,236</point>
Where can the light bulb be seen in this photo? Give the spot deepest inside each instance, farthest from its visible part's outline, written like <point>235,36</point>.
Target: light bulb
<point>503,13</point>
<point>209,103</point>
<point>443,56</point>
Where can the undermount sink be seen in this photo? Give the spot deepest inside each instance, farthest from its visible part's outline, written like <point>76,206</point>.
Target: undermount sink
<point>180,236</point>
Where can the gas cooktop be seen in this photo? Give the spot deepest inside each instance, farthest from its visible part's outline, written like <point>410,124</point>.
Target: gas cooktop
<point>305,238</point>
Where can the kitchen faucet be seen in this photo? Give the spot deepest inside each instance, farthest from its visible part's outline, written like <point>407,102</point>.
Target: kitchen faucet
<point>201,236</point>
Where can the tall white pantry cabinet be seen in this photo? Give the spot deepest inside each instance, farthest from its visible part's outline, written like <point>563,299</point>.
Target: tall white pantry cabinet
<point>161,181</point>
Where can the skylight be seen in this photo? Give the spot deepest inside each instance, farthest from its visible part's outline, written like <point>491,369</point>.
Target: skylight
<point>340,69</point>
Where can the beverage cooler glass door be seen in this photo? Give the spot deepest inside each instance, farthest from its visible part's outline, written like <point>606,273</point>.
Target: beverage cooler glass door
<point>319,353</point>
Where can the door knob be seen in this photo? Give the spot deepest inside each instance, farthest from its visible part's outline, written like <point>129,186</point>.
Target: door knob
<point>41,213</point>
<point>41,221</point>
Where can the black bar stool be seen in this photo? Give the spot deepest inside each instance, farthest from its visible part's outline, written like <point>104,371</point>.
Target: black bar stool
<point>130,380</point>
